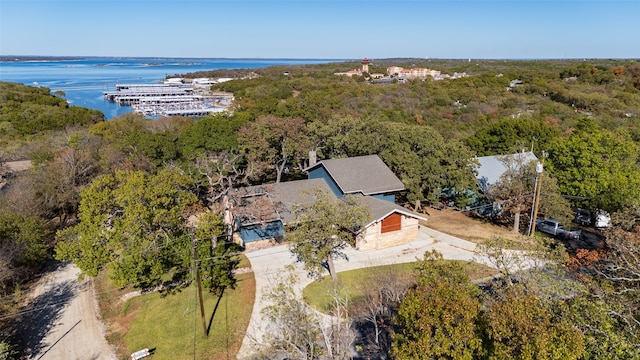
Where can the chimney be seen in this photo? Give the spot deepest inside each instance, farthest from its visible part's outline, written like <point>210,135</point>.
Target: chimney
<point>312,158</point>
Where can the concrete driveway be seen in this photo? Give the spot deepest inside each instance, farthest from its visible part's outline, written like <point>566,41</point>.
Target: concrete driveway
<point>268,265</point>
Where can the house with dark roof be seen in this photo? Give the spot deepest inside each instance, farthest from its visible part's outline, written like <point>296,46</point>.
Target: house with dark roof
<point>262,213</point>
<point>364,175</point>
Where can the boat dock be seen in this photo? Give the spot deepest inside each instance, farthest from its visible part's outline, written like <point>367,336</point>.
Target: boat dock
<point>168,99</point>
<point>188,105</point>
<point>133,95</point>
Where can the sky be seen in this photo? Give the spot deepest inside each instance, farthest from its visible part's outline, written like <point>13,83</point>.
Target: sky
<point>326,29</point>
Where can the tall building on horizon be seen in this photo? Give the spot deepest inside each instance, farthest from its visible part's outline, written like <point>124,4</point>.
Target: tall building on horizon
<point>365,65</point>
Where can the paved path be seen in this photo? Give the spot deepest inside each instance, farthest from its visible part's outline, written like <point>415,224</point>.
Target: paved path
<point>268,266</point>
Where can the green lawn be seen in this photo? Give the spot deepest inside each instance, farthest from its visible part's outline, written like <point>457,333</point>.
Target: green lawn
<point>167,323</point>
<point>319,294</point>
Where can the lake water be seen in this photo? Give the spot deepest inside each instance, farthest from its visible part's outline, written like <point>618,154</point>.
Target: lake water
<point>84,80</point>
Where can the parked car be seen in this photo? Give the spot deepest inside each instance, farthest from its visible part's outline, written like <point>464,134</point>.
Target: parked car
<point>583,217</point>
<point>554,228</point>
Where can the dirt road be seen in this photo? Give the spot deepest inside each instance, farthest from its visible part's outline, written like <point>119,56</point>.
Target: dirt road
<point>62,322</point>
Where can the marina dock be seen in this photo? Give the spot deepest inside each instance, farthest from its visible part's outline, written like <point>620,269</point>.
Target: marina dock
<point>169,99</point>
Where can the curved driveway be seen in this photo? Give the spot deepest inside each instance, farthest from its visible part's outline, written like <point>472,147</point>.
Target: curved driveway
<point>268,264</point>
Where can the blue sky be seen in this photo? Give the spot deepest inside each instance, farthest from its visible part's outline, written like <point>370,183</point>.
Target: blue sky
<point>327,29</point>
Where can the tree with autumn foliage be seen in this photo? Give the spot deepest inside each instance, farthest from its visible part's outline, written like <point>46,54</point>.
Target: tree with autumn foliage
<point>272,144</point>
<point>522,326</point>
<point>437,318</point>
<point>608,311</point>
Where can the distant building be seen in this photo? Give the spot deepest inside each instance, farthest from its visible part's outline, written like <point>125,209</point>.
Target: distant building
<point>415,73</point>
<point>203,81</point>
<point>365,65</point>
<point>394,70</point>
<point>357,72</point>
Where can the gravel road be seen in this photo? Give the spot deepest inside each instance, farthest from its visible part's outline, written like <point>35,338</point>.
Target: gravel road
<point>62,321</point>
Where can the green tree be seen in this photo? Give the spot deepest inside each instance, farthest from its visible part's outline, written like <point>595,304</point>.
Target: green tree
<point>6,351</point>
<point>217,257</point>
<point>426,163</point>
<point>133,222</point>
<point>22,248</point>
<point>437,318</point>
<point>598,165</point>
<point>322,229</point>
<point>553,204</point>
<point>210,134</point>
<point>512,135</point>
<point>32,110</point>
<point>606,337</point>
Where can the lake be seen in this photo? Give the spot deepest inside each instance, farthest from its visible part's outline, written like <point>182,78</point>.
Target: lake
<point>84,80</point>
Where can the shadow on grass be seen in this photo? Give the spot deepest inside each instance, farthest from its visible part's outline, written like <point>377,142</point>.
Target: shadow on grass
<point>36,320</point>
<point>215,309</point>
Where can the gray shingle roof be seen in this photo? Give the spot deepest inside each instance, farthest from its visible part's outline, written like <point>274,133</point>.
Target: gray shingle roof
<point>273,202</point>
<point>361,174</point>
<point>381,208</point>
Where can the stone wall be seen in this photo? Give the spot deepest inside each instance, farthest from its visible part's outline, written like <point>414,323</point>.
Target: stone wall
<point>372,238</point>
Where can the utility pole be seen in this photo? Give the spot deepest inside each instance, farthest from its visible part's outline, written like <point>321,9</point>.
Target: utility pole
<point>533,202</point>
<point>539,170</point>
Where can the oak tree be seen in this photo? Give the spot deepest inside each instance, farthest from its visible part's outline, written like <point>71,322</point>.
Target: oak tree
<point>133,222</point>
<point>598,165</point>
<point>322,229</point>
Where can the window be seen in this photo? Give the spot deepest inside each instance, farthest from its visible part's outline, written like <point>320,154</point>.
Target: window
<point>392,222</point>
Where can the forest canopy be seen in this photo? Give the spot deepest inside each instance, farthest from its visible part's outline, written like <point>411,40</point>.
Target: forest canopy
<point>28,110</point>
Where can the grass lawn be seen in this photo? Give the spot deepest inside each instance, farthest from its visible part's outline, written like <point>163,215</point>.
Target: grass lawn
<point>168,322</point>
<point>319,294</point>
